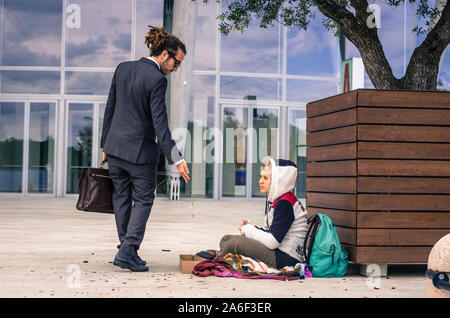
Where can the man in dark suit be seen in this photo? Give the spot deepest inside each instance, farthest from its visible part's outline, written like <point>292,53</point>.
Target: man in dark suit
<point>135,115</point>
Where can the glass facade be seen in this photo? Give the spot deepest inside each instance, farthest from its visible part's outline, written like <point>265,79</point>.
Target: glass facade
<point>247,99</point>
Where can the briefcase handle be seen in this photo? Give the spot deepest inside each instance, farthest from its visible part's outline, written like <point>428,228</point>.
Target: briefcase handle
<point>103,163</point>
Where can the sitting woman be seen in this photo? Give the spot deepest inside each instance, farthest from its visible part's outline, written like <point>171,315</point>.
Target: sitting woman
<point>280,242</point>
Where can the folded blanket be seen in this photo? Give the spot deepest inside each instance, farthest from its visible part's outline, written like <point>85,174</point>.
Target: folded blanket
<point>235,265</point>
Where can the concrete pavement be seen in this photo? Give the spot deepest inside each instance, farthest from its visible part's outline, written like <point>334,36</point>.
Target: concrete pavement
<point>49,249</point>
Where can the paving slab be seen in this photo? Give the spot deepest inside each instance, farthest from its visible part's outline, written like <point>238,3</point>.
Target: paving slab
<point>49,249</point>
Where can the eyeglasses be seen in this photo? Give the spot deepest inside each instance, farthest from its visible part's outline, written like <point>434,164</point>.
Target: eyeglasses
<point>177,62</point>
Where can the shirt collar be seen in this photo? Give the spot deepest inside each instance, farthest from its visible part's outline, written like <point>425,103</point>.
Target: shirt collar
<point>152,59</point>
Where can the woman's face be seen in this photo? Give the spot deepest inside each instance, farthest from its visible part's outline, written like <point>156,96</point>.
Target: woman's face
<point>265,181</point>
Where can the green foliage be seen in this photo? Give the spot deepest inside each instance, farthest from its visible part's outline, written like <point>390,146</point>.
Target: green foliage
<point>298,13</point>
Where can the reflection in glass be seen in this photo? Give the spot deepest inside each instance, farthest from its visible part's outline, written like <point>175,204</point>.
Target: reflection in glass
<point>256,50</point>
<point>29,82</point>
<point>41,147</point>
<point>148,12</point>
<point>88,83</point>
<point>297,147</point>
<point>11,146</point>
<point>79,142</point>
<point>312,52</point>
<point>31,33</point>
<point>206,36</point>
<point>265,126</point>
<point>102,38</point>
<point>250,88</point>
<point>309,90</point>
<point>234,151</point>
<point>201,151</point>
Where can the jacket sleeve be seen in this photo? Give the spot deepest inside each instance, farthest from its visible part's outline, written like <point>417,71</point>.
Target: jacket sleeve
<point>283,217</point>
<point>109,111</point>
<point>262,236</point>
<point>160,122</point>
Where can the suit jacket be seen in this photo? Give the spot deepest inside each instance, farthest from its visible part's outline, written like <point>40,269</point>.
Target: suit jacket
<point>136,113</point>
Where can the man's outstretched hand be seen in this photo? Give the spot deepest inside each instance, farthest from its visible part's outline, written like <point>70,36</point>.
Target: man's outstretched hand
<point>184,171</point>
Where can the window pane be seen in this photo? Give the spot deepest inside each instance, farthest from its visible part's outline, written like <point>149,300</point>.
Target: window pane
<point>265,125</point>
<point>88,83</point>
<point>31,33</point>
<point>312,52</point>
<point>206,36</point>
<point>256,50</point>
<point>250,88</point>
<point>200,155</point>
<point>42,147</point>
<point>308,90</point>
<point>11,146</point>
<point>148,12</point>
<point>234,152</point>
<point>30,82</point>
<point>297,148</point>
<point>102,38</point>
<point>79,142</point>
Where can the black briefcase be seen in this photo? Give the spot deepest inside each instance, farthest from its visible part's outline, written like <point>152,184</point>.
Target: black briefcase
<point>96,190</point>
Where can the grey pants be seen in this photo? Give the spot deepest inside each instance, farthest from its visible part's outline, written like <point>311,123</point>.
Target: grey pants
<point>134,186</point>
<point>238,244</point>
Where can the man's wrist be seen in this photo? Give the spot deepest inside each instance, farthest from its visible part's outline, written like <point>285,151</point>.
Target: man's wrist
<point>178,162</point>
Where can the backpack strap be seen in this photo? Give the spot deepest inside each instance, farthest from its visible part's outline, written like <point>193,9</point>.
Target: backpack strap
<point>314,222</point>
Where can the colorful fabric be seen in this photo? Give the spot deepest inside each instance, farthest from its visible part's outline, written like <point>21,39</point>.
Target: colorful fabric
<point>239,266</point>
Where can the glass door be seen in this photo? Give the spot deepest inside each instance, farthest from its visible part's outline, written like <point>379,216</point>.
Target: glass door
<point>246,141</point>
<point>12,119</point>
<point>41,147</point>
<point>84,133</point>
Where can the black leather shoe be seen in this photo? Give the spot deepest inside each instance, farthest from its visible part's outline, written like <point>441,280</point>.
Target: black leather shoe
<point>131,262</point>
<point>140,261</point>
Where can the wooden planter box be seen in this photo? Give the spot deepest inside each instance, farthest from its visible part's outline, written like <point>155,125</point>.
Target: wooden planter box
<point>378,164</point>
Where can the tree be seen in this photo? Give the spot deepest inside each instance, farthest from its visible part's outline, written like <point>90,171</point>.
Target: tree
<point>360,29</point>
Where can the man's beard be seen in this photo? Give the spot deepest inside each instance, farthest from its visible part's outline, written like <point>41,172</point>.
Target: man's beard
<point>164,69</point>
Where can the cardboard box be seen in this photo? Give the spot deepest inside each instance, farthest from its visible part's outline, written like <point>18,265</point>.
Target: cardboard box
<point>188,262</point>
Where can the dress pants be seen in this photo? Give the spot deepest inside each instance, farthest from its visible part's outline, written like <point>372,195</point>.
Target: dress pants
<point>134,192</point>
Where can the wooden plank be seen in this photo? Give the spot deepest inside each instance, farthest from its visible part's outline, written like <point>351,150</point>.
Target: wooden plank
<point>402,185</point>
<point>404,237</point>
<point>408,220</point>
<point>401,98</point>
<point>399,133</point>
<point>424,168</point>
<point>399,150</point>
<point>339,217</point>
<point>405,116</point>
<point>331,200</point>
<point>403,202</point>
<point>331,104</point>
<point>392,255</point>
<point>335,152</point>
<point>333,120</point>
<point>336,185</point>
<point>346,235</point>
<point>331,136</point>
<point>333,168</point>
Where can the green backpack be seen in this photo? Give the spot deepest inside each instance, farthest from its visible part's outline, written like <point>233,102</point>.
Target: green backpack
<point>324,255</point>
